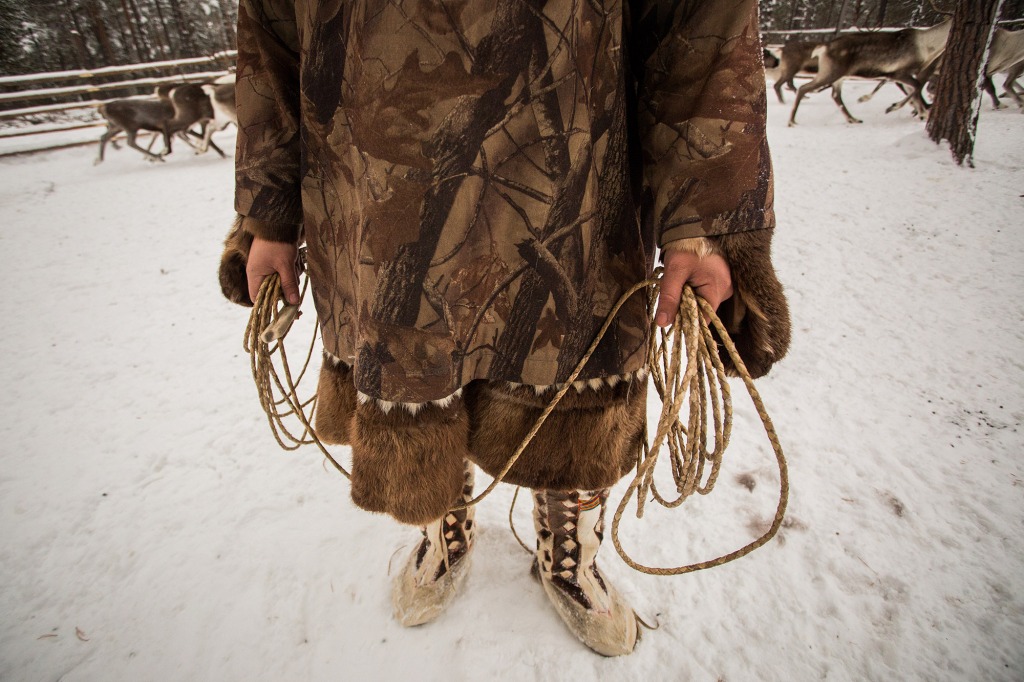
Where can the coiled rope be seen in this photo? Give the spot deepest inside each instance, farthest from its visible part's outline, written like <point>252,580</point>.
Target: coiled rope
<point>694,383</point>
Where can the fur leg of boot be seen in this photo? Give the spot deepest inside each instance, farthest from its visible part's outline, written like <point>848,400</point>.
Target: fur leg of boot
<point>437,569</point>
<point>409,465</point>
<point>570,527</point>
<point>589,441</point>
<point>335,402</point>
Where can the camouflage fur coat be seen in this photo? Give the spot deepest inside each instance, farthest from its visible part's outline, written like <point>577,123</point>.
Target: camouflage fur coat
<point>477,181</point>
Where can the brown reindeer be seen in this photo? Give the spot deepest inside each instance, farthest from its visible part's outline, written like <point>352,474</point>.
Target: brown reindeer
<point>174,110</point>
<point>897,56</point>
<point>1005,56</point>
<point>192,106</point>
<point>222,99</point>
<point>132,115</point>
<point>796,57</point>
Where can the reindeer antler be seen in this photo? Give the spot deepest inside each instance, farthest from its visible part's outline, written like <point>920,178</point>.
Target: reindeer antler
<point>939,11</point>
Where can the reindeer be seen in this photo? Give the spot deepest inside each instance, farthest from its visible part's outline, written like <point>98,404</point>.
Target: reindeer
<point>1010,85</point>
<point>897,56</point>
<point>173,111</point>
<point>222,99</point>
<point>192,105</point>
<point>1005,56</point>
<point>796,57</point>
<point>133,115</point>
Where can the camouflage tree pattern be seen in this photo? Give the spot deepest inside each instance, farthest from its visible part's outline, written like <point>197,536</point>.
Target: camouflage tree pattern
<point>479,181</point>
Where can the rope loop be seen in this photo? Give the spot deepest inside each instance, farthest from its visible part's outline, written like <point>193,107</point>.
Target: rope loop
<point>268,325</point>
<point>692,382</point>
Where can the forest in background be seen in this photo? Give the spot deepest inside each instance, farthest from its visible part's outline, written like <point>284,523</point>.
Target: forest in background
<point>59,35</point>
<point>788,15</point>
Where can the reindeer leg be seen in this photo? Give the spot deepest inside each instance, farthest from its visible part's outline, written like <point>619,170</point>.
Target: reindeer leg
<point>204,146</point>
<point>112,130</point>
<point>813,86</point>
<point>914,96</point>
<point>217,149</point>
<point>988,86</point>
<point>837,97</point>
<point>131,143</point>
<point>1010,88</point>
<point>185,133</point>
<point>867,97</point>
<point>903,102</point>
<point>778,91</point>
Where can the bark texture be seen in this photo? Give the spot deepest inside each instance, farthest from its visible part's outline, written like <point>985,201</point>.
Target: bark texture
<point>954,115</point>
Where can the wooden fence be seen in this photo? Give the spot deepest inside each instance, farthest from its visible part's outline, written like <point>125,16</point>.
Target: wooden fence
<point>64,91</point>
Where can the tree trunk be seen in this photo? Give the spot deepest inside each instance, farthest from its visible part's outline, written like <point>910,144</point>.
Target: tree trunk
<point>169,51</point>
<point>227,26</point>
<point>954,115</point>
<point>133,32</point>
<point>185,30</point>
<point>142,31</point>
<point>99,28</point>
<point>883,5</point>
<point>841,17</point>
<point>78,39</point>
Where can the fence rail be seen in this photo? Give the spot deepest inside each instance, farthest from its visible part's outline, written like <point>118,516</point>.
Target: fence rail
<point>227,57</point>
<point>53,93</point>
<point>23,132</point>
<point>48,101</point>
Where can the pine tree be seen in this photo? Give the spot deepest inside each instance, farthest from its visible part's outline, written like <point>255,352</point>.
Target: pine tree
<point>954,115</point>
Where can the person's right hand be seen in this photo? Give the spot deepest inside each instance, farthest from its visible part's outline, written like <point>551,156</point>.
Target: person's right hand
<point>709,276</point>
<point>266,258</point>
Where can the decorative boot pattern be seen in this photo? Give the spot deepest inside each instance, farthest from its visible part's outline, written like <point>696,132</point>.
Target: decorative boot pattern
<point>438,567</point>
<point>570,527</point>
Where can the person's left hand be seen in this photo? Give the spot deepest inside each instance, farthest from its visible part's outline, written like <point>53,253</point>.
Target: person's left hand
<point>709,276</point>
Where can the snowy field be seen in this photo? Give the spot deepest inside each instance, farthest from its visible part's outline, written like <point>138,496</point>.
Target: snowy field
<point>152,529</point>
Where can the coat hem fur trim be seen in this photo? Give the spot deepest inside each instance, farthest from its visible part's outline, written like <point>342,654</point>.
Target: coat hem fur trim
<point>410,464</point>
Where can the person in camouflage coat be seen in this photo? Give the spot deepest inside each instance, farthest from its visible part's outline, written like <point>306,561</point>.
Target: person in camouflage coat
<point>477,182</point>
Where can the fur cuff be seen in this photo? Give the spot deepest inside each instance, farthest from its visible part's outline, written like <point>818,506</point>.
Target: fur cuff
<point>410,467</point>
<point>701,246</point>
<point>272,232</point>
<point>757,315</point>
<point>589,441</point>
<point>233,281</point>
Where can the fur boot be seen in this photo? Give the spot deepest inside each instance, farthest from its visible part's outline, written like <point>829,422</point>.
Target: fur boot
<point>589,441</point>
<point>408,465</point>
<point>335,402</point>
<point>570,527</point>
<point>437,569</point>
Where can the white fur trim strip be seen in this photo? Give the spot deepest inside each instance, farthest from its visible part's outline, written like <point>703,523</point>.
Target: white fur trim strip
<point>444,403</point>
<point>412,408</point>
<point>583,384</point>
<point>335,360</point>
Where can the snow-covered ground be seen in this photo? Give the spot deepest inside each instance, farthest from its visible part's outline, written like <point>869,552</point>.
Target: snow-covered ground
<point>152,529</point>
